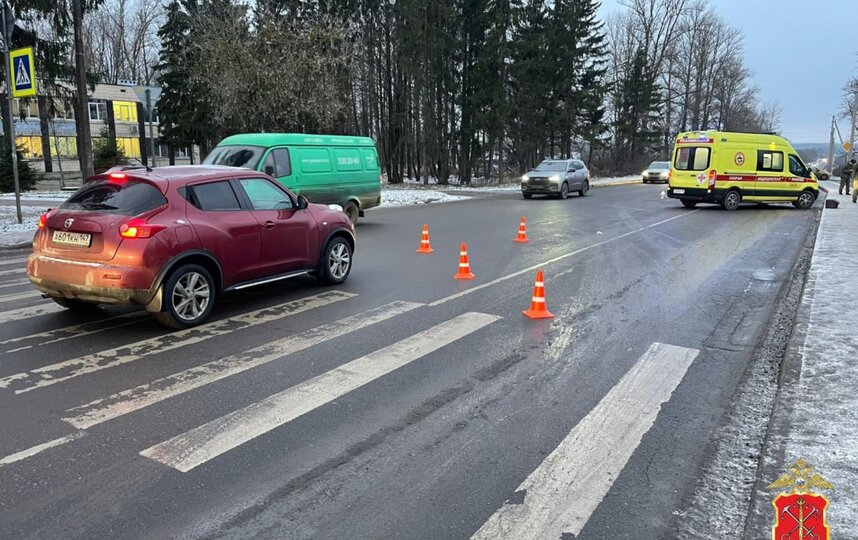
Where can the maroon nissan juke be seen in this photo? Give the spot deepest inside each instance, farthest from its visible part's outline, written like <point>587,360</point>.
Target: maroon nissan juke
<point>173,238</point>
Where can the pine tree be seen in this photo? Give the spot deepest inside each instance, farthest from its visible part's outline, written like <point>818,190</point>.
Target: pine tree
<point>637,127</point>
<point>27,177</point>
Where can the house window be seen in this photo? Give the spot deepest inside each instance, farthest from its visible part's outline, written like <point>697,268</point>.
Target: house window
<point>64,147</point>
<point>97,111</point>
<point>30,147</point>
<point>125,111</point>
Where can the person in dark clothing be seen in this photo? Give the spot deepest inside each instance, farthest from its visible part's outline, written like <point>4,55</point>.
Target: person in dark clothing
<point>846,176</point>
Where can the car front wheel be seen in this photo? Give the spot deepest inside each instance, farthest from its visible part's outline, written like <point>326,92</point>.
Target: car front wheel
<point>564,191</point>
<point>527,195</point>
<point>189,295</point>
<point>336,262</point>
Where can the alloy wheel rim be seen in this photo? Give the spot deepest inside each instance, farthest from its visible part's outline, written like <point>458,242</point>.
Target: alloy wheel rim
<point>191,296</point>
<point>564,191</point>
<point>732,200</point>
<point>804,200</point>
<point>339,261</point>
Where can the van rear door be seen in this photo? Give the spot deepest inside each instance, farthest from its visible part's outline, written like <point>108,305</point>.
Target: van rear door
<point>690,168</point>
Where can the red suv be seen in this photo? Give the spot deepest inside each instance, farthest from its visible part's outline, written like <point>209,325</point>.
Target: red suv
<point>173,238</point>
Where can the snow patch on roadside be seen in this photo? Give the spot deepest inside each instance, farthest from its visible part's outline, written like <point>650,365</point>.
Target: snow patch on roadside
<point>405,197</point>
<point>13,233</point>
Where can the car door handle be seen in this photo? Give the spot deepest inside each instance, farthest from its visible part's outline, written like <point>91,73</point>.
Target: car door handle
<point>268,225</point>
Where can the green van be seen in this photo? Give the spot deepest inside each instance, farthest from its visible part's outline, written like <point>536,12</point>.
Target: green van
<point>327,169</point>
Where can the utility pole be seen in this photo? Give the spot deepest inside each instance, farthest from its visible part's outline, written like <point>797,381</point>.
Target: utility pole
<point>151,130</point>
<point>8,25</point>
<point>85,150</point>
<point>831,149</point>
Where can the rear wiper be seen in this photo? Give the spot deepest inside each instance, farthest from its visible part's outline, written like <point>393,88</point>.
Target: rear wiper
<point>98,206</point>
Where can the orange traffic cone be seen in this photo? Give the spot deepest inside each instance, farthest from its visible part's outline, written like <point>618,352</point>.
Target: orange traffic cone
<point>464,265</point>
<point>522,231</point>
<point>424,241</point>
<point>537,305</point>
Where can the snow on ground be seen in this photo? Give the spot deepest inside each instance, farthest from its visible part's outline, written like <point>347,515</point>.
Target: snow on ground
<point>824,418</point>
<point>11,232</point>
<point>38,196</point>
<point>403,197</point>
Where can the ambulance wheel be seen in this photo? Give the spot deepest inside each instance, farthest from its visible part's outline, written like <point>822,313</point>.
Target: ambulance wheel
<point>688,203</point>
<point>805,200</point>
<point>732,200</point>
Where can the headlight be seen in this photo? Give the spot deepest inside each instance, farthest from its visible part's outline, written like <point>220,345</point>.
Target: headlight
<point>643,172</point>
<point>335,207</point>
<point>555,178</point>
<point>664,174</point>
<point>525,178</point>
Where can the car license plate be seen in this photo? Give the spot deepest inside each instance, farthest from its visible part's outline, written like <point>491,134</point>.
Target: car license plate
<point>679,192</point>
<point>72,238</point>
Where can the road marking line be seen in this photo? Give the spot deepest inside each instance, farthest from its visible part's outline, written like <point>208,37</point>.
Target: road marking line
<point>4,262</point>
<point>27,312</point>
<point>20,296</point>
<point>134,399</point>
<point>77,330</point>
<point>195,447</point>
<point>76,367</point>
<point>554,260</point>
<point>30,452</point>
<point>13,271</point>
<point>562,493</point>
<point>18,283</point>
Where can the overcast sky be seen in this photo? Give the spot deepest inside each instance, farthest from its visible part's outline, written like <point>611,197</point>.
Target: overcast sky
<point>801,53</point>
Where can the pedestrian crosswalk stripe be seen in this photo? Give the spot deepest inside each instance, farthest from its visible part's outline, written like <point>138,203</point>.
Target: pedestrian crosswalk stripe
<point>188,450</point>
<point>28,312</point>
<point>19,260</point>
<point>84,365</point>
<point>15,283</point>
<point>22,271</point>
<point>102,410</point>
<point>19,296</point>
<point>562,493</point>
<point>30,452</point>
<point>76,331</point>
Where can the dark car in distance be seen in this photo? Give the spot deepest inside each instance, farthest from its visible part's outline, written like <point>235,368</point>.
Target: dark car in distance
<point>173,238</point>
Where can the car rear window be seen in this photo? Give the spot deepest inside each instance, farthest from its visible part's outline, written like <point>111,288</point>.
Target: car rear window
<point>129,198</point>
<point>692,158</point>
<point>246,157</point>
<point>214,196</point>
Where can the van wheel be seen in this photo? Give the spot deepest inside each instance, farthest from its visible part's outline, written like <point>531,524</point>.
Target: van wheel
<point>732,200</point>
<point>564,191</point>
<point>189,295</point>
<point>351,210</point>
<point>688,203</point>
<point>805,200</point>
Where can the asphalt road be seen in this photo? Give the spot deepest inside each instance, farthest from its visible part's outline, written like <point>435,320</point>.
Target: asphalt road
<point>404,404</point>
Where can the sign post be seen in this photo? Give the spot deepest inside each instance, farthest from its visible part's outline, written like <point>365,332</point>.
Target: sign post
<point>7,25</point>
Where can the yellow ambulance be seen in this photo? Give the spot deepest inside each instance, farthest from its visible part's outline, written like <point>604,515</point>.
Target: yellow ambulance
<point>731,168</point>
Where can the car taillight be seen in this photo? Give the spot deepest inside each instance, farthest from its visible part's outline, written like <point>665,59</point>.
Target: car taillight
<point>139,228</point>
<point>712,175</point>
<point>43,220</point>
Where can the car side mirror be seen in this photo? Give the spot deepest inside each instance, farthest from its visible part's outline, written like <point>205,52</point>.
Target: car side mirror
<point>303,203</point>
<point>269,170</point>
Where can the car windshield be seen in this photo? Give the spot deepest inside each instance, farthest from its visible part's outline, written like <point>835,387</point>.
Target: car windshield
<point>235,156</point>
<point>127,198</point>
<point>659,165</point>
<point>551,166</point>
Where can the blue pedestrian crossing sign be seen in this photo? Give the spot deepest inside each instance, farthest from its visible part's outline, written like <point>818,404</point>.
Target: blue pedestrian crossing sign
<point>23,71</point>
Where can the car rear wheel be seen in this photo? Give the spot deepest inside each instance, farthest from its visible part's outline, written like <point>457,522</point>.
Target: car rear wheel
<point>189,295</point>
<point>564,191</point>
<point>688,203</point>
<point>352,211</point>
<point>732,200</point>
<point>74,304</point>
<point>805,200</point>
<point>584,189</point>
<point>527,195</point>
<point>336,262</point>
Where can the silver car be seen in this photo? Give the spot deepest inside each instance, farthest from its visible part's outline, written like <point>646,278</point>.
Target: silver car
<point>658,171</point>
<point>556,177</point>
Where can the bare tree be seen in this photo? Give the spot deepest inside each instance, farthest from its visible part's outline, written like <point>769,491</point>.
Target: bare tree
<point>122,42</point>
